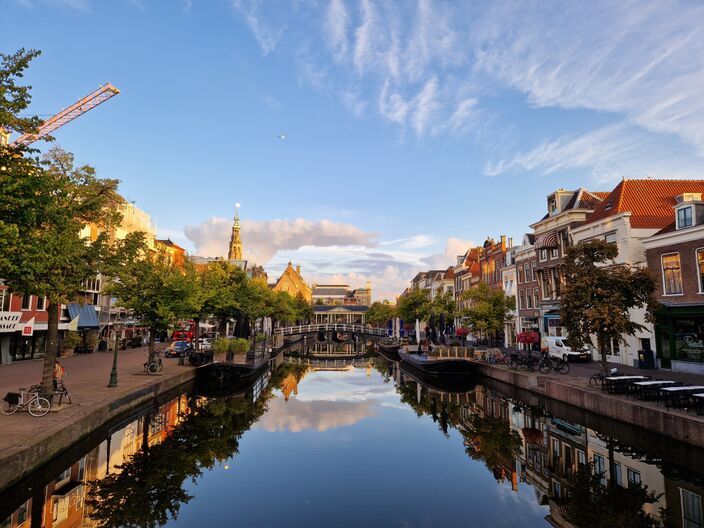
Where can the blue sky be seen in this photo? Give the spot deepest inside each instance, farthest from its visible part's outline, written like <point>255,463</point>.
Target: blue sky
<point>413,128</point>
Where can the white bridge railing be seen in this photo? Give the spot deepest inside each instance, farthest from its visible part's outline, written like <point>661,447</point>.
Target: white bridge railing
<point>330,327</point>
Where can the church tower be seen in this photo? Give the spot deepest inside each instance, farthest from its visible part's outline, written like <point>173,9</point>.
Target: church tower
<point>235,251</point>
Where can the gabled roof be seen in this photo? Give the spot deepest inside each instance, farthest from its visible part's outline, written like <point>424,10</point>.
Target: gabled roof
<point>649,201</point>
<point>449,274</point>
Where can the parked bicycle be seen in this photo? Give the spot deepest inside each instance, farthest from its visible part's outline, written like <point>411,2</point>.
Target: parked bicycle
<point>548,363</point>
<point>32,401</point>
<point>498,357</point>
<point>523,361</point>
<point>156,366</point>
<point>598,378</point>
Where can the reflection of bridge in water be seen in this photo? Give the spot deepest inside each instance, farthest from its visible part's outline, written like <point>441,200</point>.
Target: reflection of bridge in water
<point>329,363</point>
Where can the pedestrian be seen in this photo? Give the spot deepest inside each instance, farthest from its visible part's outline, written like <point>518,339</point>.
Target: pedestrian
<point>59,373</point>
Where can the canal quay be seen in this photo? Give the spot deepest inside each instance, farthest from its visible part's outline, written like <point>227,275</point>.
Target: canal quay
<point>337,435</point>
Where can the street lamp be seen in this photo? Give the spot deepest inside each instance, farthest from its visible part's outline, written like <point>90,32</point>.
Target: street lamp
<point>113,373</point>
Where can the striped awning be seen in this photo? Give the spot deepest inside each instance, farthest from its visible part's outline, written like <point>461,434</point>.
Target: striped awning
<point>547,241</point>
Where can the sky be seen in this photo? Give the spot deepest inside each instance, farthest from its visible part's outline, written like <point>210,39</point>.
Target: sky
<point>413,129</point>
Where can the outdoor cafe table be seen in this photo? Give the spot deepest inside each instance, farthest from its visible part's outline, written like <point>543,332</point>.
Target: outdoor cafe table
<point>619,384</point>
<point>677,396</point>
<point>646,390</point>
<point>699,402</point>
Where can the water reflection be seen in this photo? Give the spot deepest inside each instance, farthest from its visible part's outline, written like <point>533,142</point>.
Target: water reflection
<point>411,450</point>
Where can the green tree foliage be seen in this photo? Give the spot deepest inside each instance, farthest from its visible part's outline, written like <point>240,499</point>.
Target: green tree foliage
<point>598,295</point>
<point>443,305</point>
<point>488,309</point>
<point>414,305</point>
<point>153,288</point>
<point>380,313</point>
<point>491,440</point>
<point>15,99</point>
<point>592,505</point>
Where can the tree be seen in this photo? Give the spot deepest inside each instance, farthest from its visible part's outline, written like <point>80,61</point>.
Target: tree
<point>380,313</point>
<point>156,291</point>
<point>488,309</point>
<point>414,305</point>
<point>598,296</point>
<point>443,309</point>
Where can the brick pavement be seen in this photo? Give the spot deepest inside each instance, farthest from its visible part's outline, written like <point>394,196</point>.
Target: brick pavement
<point>86,379</point>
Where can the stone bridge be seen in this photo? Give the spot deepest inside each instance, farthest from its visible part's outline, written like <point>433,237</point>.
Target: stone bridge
<point>330,327</point>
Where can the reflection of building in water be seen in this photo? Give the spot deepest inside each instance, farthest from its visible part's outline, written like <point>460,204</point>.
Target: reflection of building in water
<point>61,504</point>
<point>337,349</point>
<point>290,383</point>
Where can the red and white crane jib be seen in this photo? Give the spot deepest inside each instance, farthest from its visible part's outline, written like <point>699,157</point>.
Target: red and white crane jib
<point>78,108</point>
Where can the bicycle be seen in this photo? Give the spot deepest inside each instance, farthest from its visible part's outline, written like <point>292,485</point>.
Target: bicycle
<point>36,405</point>
<point>598,378</point>
<point>154,367</point>
<point>547,363</point>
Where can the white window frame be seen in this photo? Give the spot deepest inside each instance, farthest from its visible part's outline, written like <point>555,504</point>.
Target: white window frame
<point>43,308</point>
<point>542,252</point>
<point>691,216</point>
<point>662,273</point>
<point>3,293</point>
<point>631,474</point>
<point>22,302</point>
<point>699,275</point>
<point>688,523</point>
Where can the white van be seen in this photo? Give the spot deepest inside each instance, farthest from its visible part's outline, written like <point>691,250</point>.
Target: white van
<point>557,348</point>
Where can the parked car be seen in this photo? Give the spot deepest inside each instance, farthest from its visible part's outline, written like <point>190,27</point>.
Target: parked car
<point>175,348</point>
<point>206,344</point>
<point>557,348</point>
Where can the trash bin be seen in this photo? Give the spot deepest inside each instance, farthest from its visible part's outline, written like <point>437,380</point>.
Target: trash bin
<point>646,359</point>
<point>103,346</point>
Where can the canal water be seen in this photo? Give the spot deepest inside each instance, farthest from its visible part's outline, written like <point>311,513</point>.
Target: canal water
<point>337,442</point>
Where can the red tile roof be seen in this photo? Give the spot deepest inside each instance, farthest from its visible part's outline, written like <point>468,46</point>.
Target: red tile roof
<point>649,201</point>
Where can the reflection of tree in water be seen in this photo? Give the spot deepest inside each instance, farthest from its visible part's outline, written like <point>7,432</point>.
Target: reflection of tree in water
<point>491,440</point>
<point>445,414</point>
<point>148,489</point>
<point>593,505</point>
<point>382,366</point>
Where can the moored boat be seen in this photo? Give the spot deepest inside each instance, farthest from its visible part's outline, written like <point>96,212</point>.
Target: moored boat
<point>436,365</point>
<point>390,351</point>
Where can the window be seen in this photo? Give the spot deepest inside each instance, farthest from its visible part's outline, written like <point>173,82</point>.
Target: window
<point>691,509</point>
<point>684,217</point>
<point>581,458</point>
<point>22,513</point>
<point>671,274</point>
<point>521,300</point>
<point>536,298</point>
<point>543,255</point>
<point>617,474</point>
<point>529,300</point>
<point>554,253</point>
<point>526,269</point>
<point>521,277</point>
<point>26,302</point>
<point>556,489</point>
<point>700,269</point>
<point>532,270</point>
<point>41,303</point>
<point>599,467</point>
<point>610,238</point>
<point>633,476</point>
<point>5,300</point>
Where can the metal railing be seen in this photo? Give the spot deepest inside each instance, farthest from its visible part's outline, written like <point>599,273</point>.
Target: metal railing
<point>331,327</point>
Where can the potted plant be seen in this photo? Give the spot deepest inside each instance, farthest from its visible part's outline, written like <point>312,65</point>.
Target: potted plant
<point>69,343</point>
<point>239,346</point>
<point>220,347</point>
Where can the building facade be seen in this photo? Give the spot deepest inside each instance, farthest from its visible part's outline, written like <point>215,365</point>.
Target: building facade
<point>291,282</point>
<point>527,286</point>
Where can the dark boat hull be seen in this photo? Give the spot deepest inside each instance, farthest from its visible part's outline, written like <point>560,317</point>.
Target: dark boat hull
<point>437,366</point>
<point>447,384</point>
<point>390,352</point>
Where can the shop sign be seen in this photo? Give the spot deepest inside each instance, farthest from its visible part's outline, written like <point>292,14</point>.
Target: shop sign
<point>27,327</point>
<point>9,320</point>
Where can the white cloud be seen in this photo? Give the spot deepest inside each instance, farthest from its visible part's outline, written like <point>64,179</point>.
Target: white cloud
<point>267,38</point>
<point>296,416</point>
<point>610,153</point>
<point>261,240</point>
<point>336,22</point>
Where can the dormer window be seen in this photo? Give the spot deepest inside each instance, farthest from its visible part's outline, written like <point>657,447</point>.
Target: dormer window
<point>552,206</point>
<point>684,217</point>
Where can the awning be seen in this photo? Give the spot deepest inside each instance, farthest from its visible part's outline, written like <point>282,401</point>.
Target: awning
<point>87,316</point>
<point>547,241</point>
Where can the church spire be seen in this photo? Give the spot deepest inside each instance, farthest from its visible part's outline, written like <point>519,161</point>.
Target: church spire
<point>235,251</point>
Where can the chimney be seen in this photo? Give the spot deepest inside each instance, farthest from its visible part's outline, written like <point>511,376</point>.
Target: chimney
<point>510,242</point>
<point>298,269</point>
<point>503,241</point>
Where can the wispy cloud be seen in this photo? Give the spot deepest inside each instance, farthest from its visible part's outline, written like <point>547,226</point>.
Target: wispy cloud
<point>611,152</point>
<point>267,37</point>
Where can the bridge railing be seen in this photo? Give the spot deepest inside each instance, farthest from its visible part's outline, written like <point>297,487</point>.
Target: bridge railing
<point>330,327</point>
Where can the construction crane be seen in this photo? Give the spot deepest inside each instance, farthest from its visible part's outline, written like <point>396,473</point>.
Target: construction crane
<point>78,108</point>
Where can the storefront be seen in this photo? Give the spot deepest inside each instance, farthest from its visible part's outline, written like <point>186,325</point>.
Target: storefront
<point>552,326</point>
<point>679,338</point>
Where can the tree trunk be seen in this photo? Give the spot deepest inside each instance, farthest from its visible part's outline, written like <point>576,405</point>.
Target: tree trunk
<point>52,347</point>
<point>152,342</point>
<point>602,351</point>
<point>196,334</point>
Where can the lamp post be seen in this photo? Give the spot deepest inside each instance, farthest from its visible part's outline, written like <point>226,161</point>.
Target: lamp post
<point>113,373</point>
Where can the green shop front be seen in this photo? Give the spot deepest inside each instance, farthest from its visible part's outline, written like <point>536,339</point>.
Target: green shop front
<point>679,338</point>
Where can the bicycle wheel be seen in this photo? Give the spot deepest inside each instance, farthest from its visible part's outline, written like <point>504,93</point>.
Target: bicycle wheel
<point>595,379</point>
<point>562,367</point>
<point>153,368</point>
<point>8,408</point>
<point>39,406</point>
<point>545,366</point>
